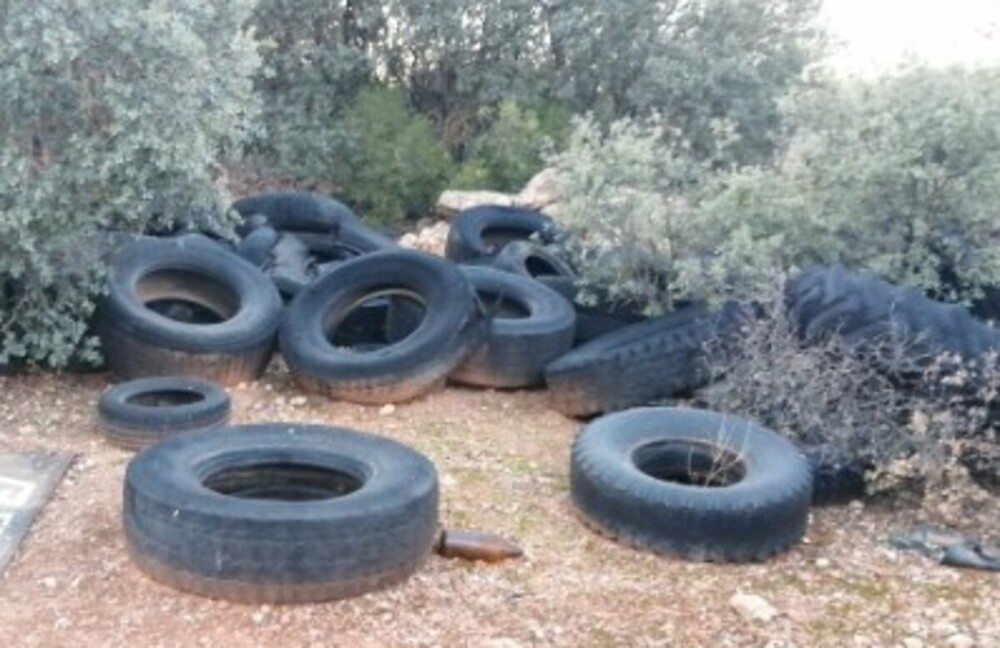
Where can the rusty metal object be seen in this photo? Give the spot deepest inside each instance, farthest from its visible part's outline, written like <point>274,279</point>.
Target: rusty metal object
<point>473,545</point>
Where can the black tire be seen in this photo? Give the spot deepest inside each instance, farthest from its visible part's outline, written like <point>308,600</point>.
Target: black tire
<point>531,260</point>
<point>141,412</point>
<point>596,320</point>
<point>835,482</point>
<point>481,232</point>
<point>280,513</point>
<point>863,309</point>
<point>642,477</point>
<point>664,357</point>
<point>529,326</point>
<point>297,210</point>
<point>452,327</point>
<point>138,341</point>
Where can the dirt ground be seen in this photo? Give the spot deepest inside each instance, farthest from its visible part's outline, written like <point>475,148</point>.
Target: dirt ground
<point>502,459</point>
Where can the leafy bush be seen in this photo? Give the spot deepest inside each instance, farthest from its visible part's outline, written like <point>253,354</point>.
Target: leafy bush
<point>393,164</point>
<point>900,176</point>
<point>510,150</point>
<point>114,116</point>
<point>636,231</point>
<point>918,445</point>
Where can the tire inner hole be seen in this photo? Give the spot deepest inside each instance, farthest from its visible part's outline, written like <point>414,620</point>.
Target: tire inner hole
<point>690,463</point>
<point>500,306</point>
<point>282,482</point>
<point>539,266</point>
<point>187,296</point>
<point>165,398</point>
<point>379,320</point>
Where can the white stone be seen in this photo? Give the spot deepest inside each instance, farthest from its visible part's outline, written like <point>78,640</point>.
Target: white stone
<point>753,607</point>
<point>451,201</point>
<point>387,410</point>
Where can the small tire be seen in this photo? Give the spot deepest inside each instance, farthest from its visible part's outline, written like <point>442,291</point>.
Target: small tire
<point>638,364</point>
<point>691,483</point>
<point>531,260</point>
<point>517,348</point>
<point>142,412</point>
<point>481,232</point>
<point>138,340</point>
<point>452,327</point>
<point>280,513</point>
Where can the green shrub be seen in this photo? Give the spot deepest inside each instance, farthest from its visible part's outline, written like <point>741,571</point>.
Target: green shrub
<point>510,150</point>
<point>393,165</point>
<point>115,115</point>
<point>635,228</point>
<point>900,176</point>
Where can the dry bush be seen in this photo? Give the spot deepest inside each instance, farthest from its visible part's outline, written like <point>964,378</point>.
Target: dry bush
<point>916,430</point>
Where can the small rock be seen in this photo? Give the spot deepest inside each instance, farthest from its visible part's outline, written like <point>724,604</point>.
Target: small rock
<point>960,641</point>
<point>753,607</point>
<point>912,642</point>
<point>298,401</point>
<point>387,410</point>
<point>48,582</point>
<point>822,563</point>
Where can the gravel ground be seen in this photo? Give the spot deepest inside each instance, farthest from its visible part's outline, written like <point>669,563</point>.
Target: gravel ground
<point>502,459</point>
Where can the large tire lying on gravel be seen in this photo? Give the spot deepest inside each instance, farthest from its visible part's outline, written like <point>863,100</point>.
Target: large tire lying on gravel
<point>280,513</point>
<point>692,483</point>
<point>141,412</point>
<point>452,327</point>
<point>863,310</point>
<point>660,358</point>
<point>187,307</point>
<point>481,232</point>
<point>529,326</point>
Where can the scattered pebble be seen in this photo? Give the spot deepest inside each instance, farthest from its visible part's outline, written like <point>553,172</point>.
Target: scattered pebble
<point>387,410</point>
<point>753,607</point>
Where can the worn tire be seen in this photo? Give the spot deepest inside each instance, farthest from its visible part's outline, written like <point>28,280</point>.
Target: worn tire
<point>862,309</point>
<point>296,210</point>
<point>141,412</point>
<point>533,261</point>
<point>638,364</point>
<point>280,513</point>
<point>536,327</point>
<point>631,477</point>
<point>481,232</point>
<point>451,329</point>
<point>138,341</point>
<point>596,320</point>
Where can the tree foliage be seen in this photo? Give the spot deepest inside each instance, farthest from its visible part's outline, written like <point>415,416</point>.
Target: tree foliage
<point>114,116</point>
<point>900,176</point>
<point>392,164</point>
<point>710,68</point>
